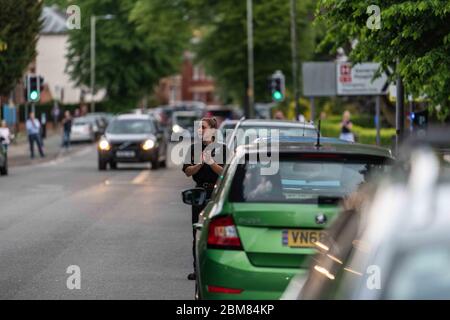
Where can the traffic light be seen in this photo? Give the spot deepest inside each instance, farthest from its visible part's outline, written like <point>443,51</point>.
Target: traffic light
<point>34,86</point>
<point>420,119</point>
<point>277,86</point>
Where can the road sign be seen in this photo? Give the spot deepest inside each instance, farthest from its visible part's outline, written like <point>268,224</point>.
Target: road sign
<point>319,79</point>
<point>358,80</point>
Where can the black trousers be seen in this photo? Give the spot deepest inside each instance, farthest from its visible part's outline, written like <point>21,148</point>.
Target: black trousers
<point>195,213</point>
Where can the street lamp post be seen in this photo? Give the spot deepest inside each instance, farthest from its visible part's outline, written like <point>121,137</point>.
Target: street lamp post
<point>295,56</point>
<point>251,81</point>
<point>93,25</point>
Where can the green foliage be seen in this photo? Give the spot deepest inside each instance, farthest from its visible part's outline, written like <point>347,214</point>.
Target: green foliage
<point>223,44</point>
<point>414,33</point>
<point>19,27</point>
<point>133,51</point>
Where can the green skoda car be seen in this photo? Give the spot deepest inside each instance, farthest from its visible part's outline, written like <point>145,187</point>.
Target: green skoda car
<point>260,230</point>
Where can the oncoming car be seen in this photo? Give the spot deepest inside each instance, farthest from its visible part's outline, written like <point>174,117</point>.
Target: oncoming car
<point>258,230</point>
<point>132,138</point>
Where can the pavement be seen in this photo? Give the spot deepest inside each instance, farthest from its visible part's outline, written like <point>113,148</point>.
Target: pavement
<point>127,230</point>
<point>19,152</point>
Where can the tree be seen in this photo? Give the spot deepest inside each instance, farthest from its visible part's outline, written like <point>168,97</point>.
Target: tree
<point>413,42</point>
<point>223,41</point>
<point>19,28</point>
<point>131,56</point>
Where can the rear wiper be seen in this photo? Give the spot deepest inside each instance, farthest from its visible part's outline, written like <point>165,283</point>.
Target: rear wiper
<point>328,200</point>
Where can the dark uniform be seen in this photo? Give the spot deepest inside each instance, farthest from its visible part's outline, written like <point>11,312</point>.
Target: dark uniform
<point>206,177</point>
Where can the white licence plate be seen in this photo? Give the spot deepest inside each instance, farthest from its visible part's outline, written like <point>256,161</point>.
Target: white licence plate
<point>125,154</point>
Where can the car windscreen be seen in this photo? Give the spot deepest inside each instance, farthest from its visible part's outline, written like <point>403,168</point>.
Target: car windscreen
<point>186,121</point>
<point>303,179</point>
<point>80,122</point>
<point>249,134</point>
<point>130,126</point>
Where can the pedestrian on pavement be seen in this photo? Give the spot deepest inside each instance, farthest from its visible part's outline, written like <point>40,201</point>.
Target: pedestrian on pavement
<point>279,115</point>
<point>346,127</point>
<point>5,133</point>
<point>34,134</point>
<point>204,167</point>
<point>77,113</point>
<point>67,129</point>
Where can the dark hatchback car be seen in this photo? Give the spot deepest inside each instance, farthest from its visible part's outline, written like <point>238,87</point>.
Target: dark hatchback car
<point>132,138</point>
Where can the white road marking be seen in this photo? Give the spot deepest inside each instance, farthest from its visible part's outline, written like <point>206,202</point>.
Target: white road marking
<point>141,177</point>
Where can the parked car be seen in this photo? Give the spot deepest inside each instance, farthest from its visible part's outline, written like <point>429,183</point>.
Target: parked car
<point>83,130</point>
<point>132,138</point>
<point>395,244</point>
<point>3,159</point>
<point>247,131</point>
<point>257,230</point>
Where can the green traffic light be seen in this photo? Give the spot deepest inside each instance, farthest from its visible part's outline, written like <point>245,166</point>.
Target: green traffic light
<point>34,95</point>
<point>277,96</point>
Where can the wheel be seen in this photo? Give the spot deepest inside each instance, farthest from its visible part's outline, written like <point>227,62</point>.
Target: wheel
<point>113,165</point>
<point>102,164</point>
<point>198,296</point>
<point>163,164</point>
<point>155,161</point>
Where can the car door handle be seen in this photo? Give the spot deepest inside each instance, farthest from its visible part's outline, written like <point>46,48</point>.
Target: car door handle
<point>197,226</point>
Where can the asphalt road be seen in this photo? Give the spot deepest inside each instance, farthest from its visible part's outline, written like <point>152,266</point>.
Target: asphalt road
<point>127,231</point>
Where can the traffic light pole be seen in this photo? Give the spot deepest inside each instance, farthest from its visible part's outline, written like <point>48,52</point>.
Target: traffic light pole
<point>295,56</point>
<point>251,80</point>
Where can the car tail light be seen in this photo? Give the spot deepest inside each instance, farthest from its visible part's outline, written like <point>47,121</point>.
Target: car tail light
<point>222,234</point>
<point>214,289</point>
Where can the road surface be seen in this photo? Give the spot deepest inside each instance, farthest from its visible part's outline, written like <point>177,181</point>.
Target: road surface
<point>127,231</point>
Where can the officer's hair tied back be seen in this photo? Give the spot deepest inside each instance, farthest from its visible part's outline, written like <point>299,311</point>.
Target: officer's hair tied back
<point>212,122</point>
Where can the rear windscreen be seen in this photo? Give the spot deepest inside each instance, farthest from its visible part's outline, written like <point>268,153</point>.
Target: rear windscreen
<point>302,180</point>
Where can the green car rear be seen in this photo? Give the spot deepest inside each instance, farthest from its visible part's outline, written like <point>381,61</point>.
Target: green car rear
<point>251,244</point>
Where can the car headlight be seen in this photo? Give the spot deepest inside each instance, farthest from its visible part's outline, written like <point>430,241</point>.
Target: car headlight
<point>148,144</point>
<point>104,145</point>
<point>177,129</point>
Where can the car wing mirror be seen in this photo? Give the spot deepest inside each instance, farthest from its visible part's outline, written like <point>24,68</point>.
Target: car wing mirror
<point>194,197</point>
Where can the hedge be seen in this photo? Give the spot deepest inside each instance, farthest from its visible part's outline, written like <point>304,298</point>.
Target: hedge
<point>363,135</point>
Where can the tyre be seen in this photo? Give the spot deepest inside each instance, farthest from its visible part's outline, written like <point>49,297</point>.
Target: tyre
<point>197,296</point>
<point>102,164</point>
<point>113,165</point>
<point>155,161</point>
<point>163,164</point>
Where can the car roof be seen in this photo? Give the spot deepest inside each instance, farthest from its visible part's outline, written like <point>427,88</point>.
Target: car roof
<point>133,116</point>
<point>325,147</point>
<point>306,139</point>
<point>276,123</point>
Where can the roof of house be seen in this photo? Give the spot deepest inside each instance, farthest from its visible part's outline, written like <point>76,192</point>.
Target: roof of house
<point>53,21</point>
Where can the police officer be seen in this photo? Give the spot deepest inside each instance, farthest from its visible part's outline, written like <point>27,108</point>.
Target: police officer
<point>204,164</point>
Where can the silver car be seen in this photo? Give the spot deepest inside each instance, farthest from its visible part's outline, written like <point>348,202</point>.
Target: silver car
<point>82,130</point>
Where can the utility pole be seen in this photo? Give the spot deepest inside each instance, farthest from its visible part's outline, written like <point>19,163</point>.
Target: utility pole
<point>295,56</point>
<point>93,20</point>
<point>400,113</point>
<point>251,80</point>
